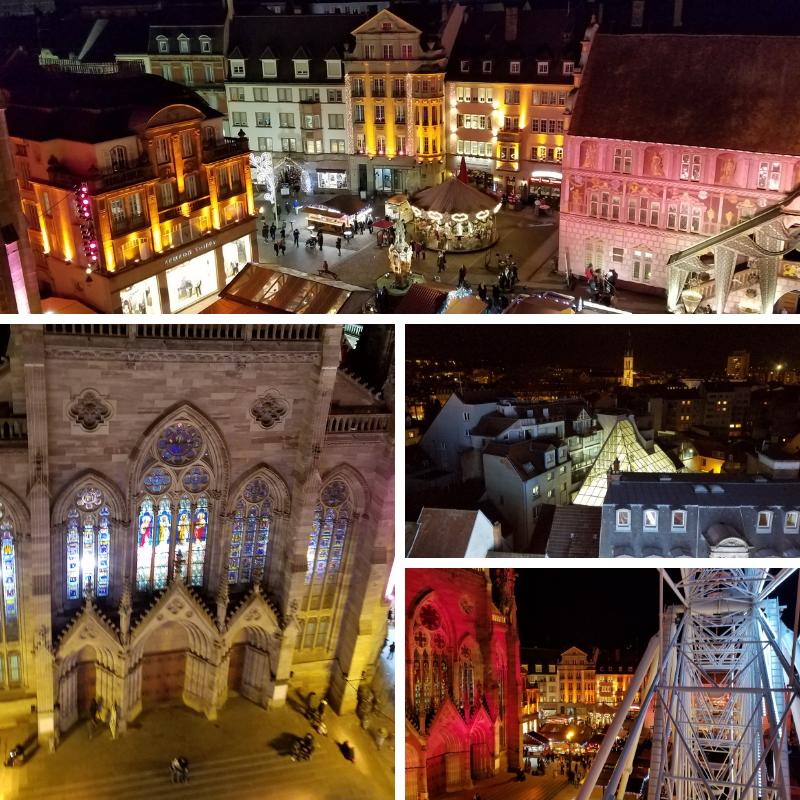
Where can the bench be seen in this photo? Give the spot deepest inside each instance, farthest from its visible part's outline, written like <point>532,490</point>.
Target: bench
<point>327,273</point>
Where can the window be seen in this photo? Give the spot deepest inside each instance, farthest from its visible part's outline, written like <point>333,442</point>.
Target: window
<point>188,75</point>
<point>260,95</point>
<point>300,68</point>
<point>237,93</point>
<point>239,119</point>
<point>678,520</point>
<point>166,72</point>
<point>269,68</point>
<point>284,95</point>
<point>465,66</point>
<point>388,52</point>
<point>205,45</point>
<point>334,68</point>
<point>167,194</point>
<point>251,525</point>
<point>623,159</point>
<point>642,266</point>
<point>162,150</point>
<point>764,521</point>
<point>10,613</point>
<point>46,204</point>
<point>594,256</point>
<point>187,144</point>
<point>515,67</point>
<point>400,113</point>
<point>336,121</point>
<point>617,254</point>
<point>655,206</point>
<point>183,44</point>
<point>550,494</point>
<point>358,87</point>
<point>650,518</point>
<point>791,523</point>
<point>289,145</point>
<point>88,543</point>
<point>237,69</point>
<point>563,471</point>
<point>190,185</point>
<point>286,120</point>
<point>623,519</point>
<point>569,67</point>
<point>775,177</point>
<point>337,146</point>
<point>163,45</point>
<point>264,145</point>
<point>542,67</point>
<point>14,672</point>
<point>208,73</point>
<point>119,160</point>
<point>512,96</point>
<point>380,144</point>
<point>487,66</point>
<point>358,113</point>
<point>559,154</point>
<point>369,51</point>
<point>380,114</point>
<point>334,95</point>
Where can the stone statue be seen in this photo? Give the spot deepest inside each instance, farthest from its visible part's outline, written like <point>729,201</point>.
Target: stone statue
<point>656,164</point>
<point>588,158</point>
<point>726,173</point>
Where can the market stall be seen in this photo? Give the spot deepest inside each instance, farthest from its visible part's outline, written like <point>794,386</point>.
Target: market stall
<point>337,214</point>
<point>454,216</point>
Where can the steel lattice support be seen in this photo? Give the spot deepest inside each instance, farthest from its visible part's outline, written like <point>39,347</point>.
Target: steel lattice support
<point>722,667</point>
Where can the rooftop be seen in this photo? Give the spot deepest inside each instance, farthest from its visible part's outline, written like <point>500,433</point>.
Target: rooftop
<point>442,533</point>
<point>575,532</point>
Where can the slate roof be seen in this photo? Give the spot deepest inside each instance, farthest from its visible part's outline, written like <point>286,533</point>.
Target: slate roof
<point>575,532</point>
<point>492,425</point>
<point>443,533</point>
<point>656,88</point>
<point>284,36</point>
<point>540,35</point>
<point>520,454</point>
<point>475,397</point>
<point>679,491</point>
<point>46,105</point>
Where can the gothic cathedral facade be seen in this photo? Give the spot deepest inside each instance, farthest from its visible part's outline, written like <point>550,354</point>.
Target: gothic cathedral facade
<point>190,511</point>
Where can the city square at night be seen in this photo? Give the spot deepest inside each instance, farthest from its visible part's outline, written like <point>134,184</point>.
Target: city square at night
<point>690,691</point>
<point>558,441</point>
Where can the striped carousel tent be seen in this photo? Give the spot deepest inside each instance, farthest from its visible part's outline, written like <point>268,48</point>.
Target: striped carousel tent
<point>453,197</point>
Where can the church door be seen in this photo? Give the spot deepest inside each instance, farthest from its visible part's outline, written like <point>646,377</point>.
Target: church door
<point>481,761</point>
<point>437,775</point>
<point>163,676</point>
<point>87,673</point>
<point>236,666</point>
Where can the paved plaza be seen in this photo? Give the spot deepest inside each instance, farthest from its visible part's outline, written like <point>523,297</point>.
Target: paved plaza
<point>505,786</point>
<point>532,240</point>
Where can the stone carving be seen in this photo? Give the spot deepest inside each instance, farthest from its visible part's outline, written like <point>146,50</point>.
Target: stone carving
<point>656,164</point>
<point>255,491</point>
<point>466,604</point>
<point>726,173</point>
<point>90,411</point>
<point>176,606</point>
<point>588,157</point>
<point>89,498</point>
<point>269,409</point>
<point>88,354</point>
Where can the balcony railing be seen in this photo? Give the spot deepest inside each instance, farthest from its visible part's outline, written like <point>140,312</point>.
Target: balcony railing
<point>379,92</point>
<point>178,210</point>
<point>128,224</point>
<point>123,177</point>
<point>397,93</point>
<point>230,191</point>
<point>508,135</point>
<point>358,93</point>
<point>358,423</point>
<point>230,147</point>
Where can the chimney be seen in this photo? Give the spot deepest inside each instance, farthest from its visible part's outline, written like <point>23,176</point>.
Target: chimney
<point>612,476</point>
<point>512,14</point>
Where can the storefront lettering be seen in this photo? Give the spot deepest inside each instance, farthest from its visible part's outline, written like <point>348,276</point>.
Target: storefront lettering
<point>193,251</point>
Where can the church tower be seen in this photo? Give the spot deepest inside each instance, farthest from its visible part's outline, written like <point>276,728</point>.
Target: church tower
<point>627,369</point>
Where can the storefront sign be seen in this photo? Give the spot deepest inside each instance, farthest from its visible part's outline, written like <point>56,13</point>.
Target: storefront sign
<point>191,252</point>
<point>546,173</point>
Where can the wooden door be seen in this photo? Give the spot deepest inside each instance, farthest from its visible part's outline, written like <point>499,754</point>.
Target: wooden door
<point>163,677</point>
<point>86,679</point>
<point>236,666</point>
<point>437,775</point>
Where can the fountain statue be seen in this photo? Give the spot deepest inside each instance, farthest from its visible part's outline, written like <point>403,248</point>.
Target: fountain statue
<point>400,255</point>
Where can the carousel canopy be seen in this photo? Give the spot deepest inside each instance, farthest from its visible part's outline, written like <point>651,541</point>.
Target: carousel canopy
<point>453,197</point>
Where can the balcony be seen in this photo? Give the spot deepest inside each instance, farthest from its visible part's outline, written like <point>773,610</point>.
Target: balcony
<point>397,94</point>
<point>128,224</point>
<point>380,120</point>
<point>178,211</point>
<point>230,147</point>
<point>123,177</point>
<point>358,423</point>
<point>358,93</point>
<point>379,92</point>
<point>508,136</point>
<point>229,191</point>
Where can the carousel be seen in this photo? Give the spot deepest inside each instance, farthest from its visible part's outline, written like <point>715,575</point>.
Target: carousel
<point>454,216</point>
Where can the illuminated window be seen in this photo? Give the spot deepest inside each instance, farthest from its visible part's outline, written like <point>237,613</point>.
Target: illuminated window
<point>764,521</point>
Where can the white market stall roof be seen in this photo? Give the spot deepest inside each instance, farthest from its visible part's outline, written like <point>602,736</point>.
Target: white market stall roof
<point>453,197</point>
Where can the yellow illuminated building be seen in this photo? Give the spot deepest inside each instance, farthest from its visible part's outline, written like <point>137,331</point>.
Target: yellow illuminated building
<point>394,90</point>
<point>576,674</point>
<point>171,199</point>
<point>614,676</point>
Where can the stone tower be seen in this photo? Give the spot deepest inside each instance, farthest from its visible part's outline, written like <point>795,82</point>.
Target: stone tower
<point>627,367</point>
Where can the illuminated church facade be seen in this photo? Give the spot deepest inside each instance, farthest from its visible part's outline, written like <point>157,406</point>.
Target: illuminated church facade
<point>190,512</point>
<point>463,700</point>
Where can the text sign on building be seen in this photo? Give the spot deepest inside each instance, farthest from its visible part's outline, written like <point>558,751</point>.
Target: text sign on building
<point>190,252</point>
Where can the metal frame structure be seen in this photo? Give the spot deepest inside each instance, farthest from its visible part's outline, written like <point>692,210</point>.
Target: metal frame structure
<point>727,664</point>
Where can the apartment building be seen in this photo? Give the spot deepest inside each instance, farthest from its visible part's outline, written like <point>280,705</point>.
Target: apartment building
<point>286,90</point>
<point>576,680</point>
<point>134,199</point>
<point>507,82</point>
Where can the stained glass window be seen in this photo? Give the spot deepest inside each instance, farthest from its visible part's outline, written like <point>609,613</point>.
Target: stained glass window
<point>198,553</point>
<point>157,481</point>
<point>73,556</point>
<point>103,543</point>
<point>250,537</point>
<point>9,581</point>
<point>161,555</point>
<point>196,479</point>
<point>88,557</point>
<point>145,548</point>
<point>183,536</point>
<point>88,545</point>
<point>179,444</point>
<point>326,544</point>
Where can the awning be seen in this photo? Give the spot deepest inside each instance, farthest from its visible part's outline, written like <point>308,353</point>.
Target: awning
<point>322,212</point>
<point>535,739</point>
<point>382,223</point>
<point>330,169</point>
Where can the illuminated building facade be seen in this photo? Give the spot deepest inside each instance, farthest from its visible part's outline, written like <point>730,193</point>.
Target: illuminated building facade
<point>614,673</point>
<point>647,184</point>
<point>576,676</point>
<point>171,216</point>
<point>508,78</point>
<point>463,692</point>
<point>194,538</point>
<point>395,101</point>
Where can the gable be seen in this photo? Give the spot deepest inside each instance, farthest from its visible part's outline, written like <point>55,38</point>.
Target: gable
<point>348,391</point>
<point>373,25</point>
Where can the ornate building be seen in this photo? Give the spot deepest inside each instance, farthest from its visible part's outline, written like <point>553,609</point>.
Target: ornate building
<point>463,693</point>
<point>192,511</point>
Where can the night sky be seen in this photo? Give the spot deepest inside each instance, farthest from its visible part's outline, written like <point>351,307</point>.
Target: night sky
<point>607,608</point>
<point>655,347</point>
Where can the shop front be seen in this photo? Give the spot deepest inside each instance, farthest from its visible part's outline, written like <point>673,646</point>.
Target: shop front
<point>192,281</point>
<point>141,298</point>
<point>235,255</point>
<point>546,183</point>
<point>332,179</point>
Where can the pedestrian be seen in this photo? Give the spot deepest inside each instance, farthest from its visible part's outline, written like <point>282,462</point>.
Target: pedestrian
<point>391,651</point>
<point>265,232</point>
<point>423,247</point>
<point>112,721</point>
<point>325,266</point>
<point>482,292</point>
<point>296,234</point>
<point>339,245</point>
<point>611,279</point>
<point>287,208</point>
<point>496,293</point>
<point>415,247</point>
<point>536,204</point>
<point>589,271</point>
<point>514,273</point>
<point>277,249</point>
<point>278,211</point>
<point>319,240</point>
<point>272,230</point>
<point>283,247</point>
<point>369,225</point>
<point>462,274</point>
<point>380,735</point>
<point>296,205</point>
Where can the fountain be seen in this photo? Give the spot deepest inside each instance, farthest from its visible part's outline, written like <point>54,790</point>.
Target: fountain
<point>401,278</point>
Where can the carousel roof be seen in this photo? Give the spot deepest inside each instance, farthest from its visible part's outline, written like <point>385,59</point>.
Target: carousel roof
<point>453,197</point>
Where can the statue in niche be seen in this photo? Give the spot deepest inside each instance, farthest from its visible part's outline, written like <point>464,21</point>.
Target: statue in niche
<point>656,164</point>
<point>588,157</point>
<point>576,196</point>
<point>726,173</point>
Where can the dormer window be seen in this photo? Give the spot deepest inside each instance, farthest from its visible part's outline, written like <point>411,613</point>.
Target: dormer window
<point>183,43</point>
<point>792,522</point>
<point>205,44</point>
<point>623,519</point>
<point>515,67</point>
<point>163,44</point>
<point>542,67</point>
<point>300,68</point>
<point>334,68</point>
<point>237,68</point>
<point>764,521</point>
<point>679,520</point>
<point>650,519</point>
<point>569,67</point>
<point>269,68</point>
<point>487,66</point>
<point>465,66</point>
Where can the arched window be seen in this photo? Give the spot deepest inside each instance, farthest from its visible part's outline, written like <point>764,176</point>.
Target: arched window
<point>88,545</point>
<point>251,522</point>
<point>10,610</point>
<point>466,676</point>
<point>174,512</point>
<point>326,543</point>
<point>431,675</point>
<point>119,159</point>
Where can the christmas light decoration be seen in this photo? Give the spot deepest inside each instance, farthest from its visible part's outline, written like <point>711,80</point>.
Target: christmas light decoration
<point>261,165</point>
<point>83,208</point>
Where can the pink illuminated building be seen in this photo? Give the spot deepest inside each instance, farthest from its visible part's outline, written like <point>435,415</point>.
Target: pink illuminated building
<point>463,695</point>
<point>673,140</point>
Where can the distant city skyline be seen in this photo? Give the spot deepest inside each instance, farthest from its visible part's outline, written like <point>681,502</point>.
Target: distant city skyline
<point>662,348</point>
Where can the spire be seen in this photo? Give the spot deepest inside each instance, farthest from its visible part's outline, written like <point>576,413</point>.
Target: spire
<point>629,348</point>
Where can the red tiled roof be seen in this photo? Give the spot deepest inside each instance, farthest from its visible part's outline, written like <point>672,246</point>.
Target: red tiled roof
<point>422,299</point>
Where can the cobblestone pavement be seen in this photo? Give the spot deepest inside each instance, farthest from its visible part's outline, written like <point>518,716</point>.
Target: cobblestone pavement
<point>506,787</point>
<point>242,755</point>
<point>532,240</point>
